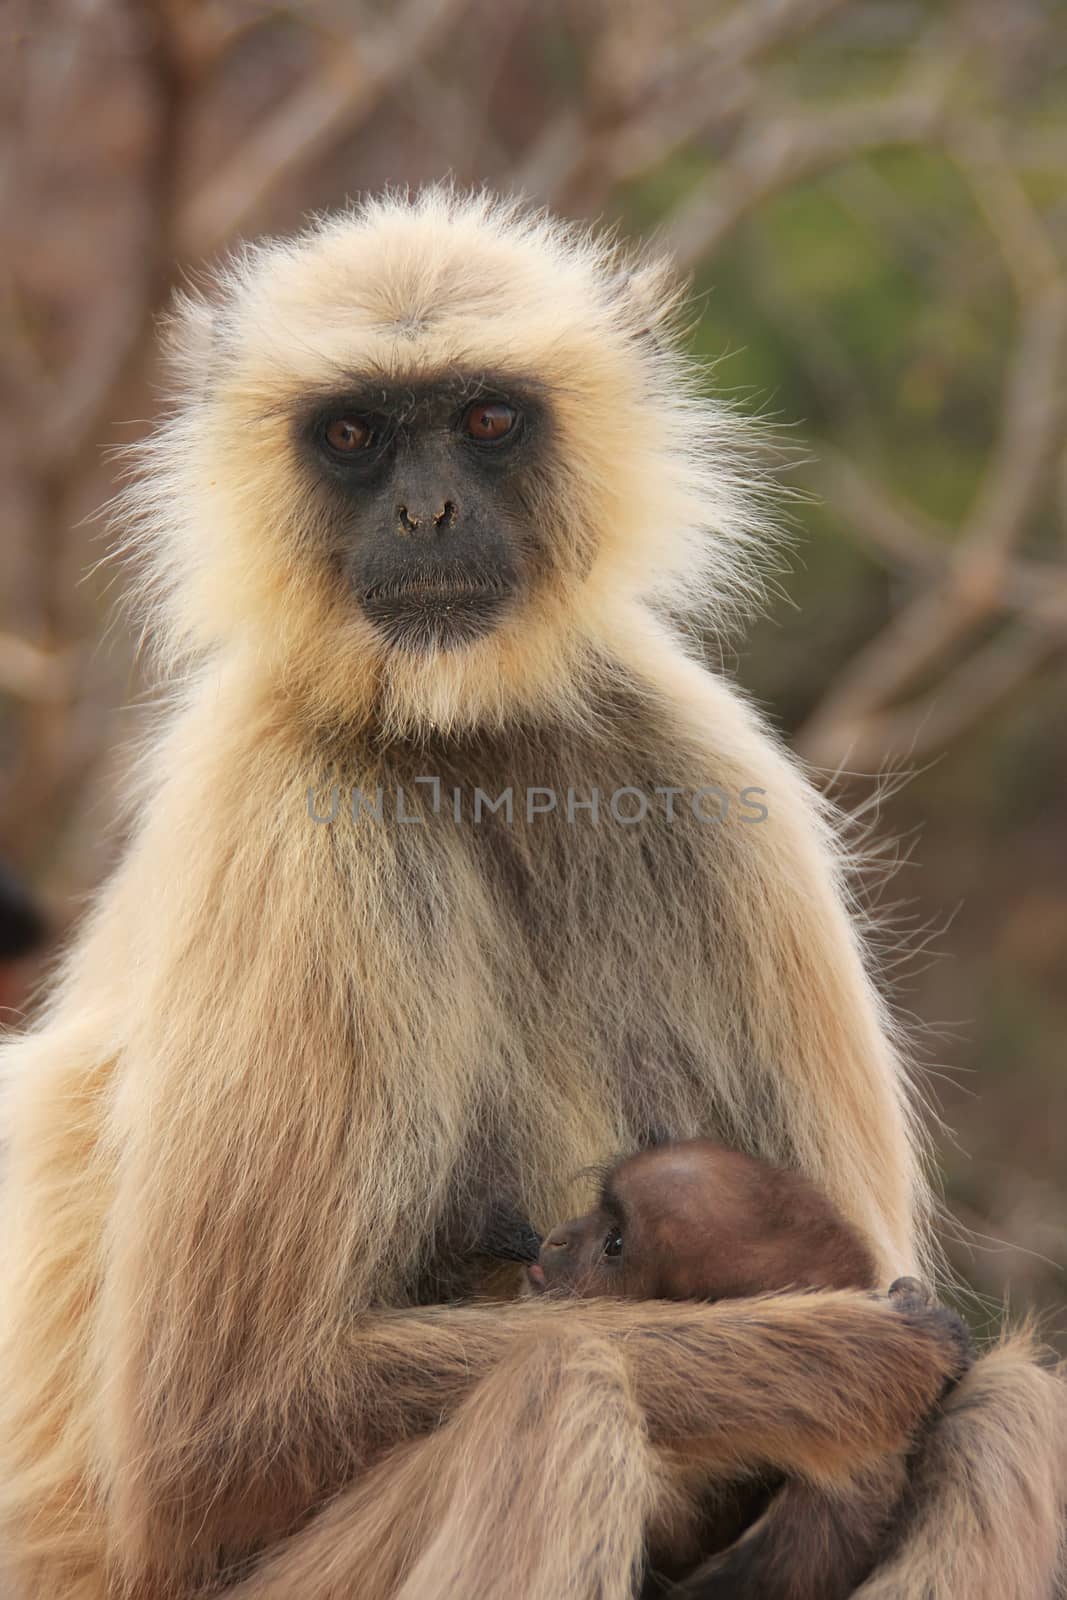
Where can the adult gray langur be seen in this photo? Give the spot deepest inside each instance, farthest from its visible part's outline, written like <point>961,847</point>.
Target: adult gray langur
<point>435,501</point>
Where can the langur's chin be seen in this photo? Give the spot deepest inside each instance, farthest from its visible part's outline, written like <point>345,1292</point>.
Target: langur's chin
<point>424,619</point>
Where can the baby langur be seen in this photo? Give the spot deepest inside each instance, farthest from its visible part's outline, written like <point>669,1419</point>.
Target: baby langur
<point>695,1221</point>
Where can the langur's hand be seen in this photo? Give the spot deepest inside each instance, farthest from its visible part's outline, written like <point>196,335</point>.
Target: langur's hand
<point>917,1305</point>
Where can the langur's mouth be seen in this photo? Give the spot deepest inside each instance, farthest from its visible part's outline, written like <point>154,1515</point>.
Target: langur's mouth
<point>435,613</point>
<point>535,1274</point>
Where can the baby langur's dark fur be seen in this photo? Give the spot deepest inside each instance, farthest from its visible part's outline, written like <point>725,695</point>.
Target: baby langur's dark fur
<point>695,1221</point>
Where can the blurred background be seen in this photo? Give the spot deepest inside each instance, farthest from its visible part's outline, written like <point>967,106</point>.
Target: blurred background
<point>871,199</point>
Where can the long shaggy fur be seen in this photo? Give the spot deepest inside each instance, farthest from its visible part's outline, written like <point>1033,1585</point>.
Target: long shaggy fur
<point>290,1069</point>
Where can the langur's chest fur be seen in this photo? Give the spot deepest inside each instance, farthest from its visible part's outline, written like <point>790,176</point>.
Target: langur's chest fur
<point>550,922</point>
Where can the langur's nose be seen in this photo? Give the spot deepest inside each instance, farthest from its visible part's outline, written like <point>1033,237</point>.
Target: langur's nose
<point>426,520</point>
<point>558,1239</point>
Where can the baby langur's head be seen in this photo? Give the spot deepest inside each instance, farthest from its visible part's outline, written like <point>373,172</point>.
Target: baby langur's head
<point>694,1221</point>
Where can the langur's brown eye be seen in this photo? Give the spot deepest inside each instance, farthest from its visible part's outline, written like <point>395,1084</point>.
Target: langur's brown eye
<point>488,421</point>
<point>613,1243</point>
<point>346,435</point>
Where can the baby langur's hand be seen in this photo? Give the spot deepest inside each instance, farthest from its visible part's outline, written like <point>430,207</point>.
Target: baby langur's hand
<point>916,1303</point>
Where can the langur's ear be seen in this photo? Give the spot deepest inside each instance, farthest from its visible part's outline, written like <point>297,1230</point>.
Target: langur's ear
<point>650,294</point>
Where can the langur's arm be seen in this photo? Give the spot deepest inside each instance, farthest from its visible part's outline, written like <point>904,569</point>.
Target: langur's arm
<point>792,974</point>
<point>809,1544</point>
<point>843,1378</point>
<point>815,1543</point>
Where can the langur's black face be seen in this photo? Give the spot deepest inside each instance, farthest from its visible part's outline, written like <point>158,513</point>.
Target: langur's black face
<point>428,493</point>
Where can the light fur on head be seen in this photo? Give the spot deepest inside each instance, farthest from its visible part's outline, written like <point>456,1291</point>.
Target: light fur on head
<point>651,496</point>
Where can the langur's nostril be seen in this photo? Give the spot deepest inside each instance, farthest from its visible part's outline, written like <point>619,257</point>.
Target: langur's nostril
<point>407,522</point>
<point>446,516</point>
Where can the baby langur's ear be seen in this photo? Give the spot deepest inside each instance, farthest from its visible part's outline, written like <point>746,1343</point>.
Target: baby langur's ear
<point>650,295</point>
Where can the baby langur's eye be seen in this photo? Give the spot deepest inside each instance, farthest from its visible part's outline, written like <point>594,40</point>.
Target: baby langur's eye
<point>613,1243</point>
<point>488,421</point>
<point>346,435</point>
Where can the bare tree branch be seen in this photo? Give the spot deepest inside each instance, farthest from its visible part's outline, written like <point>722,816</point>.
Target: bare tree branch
<point>779,151</point>
<point>986,678</point>
<point>976,580</point>
<point>908,542</point>
<point>1024,241</point>
<point>902,537</point>
<point>707,85</point>
<point>349,84</point>
<point>29,673</point>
